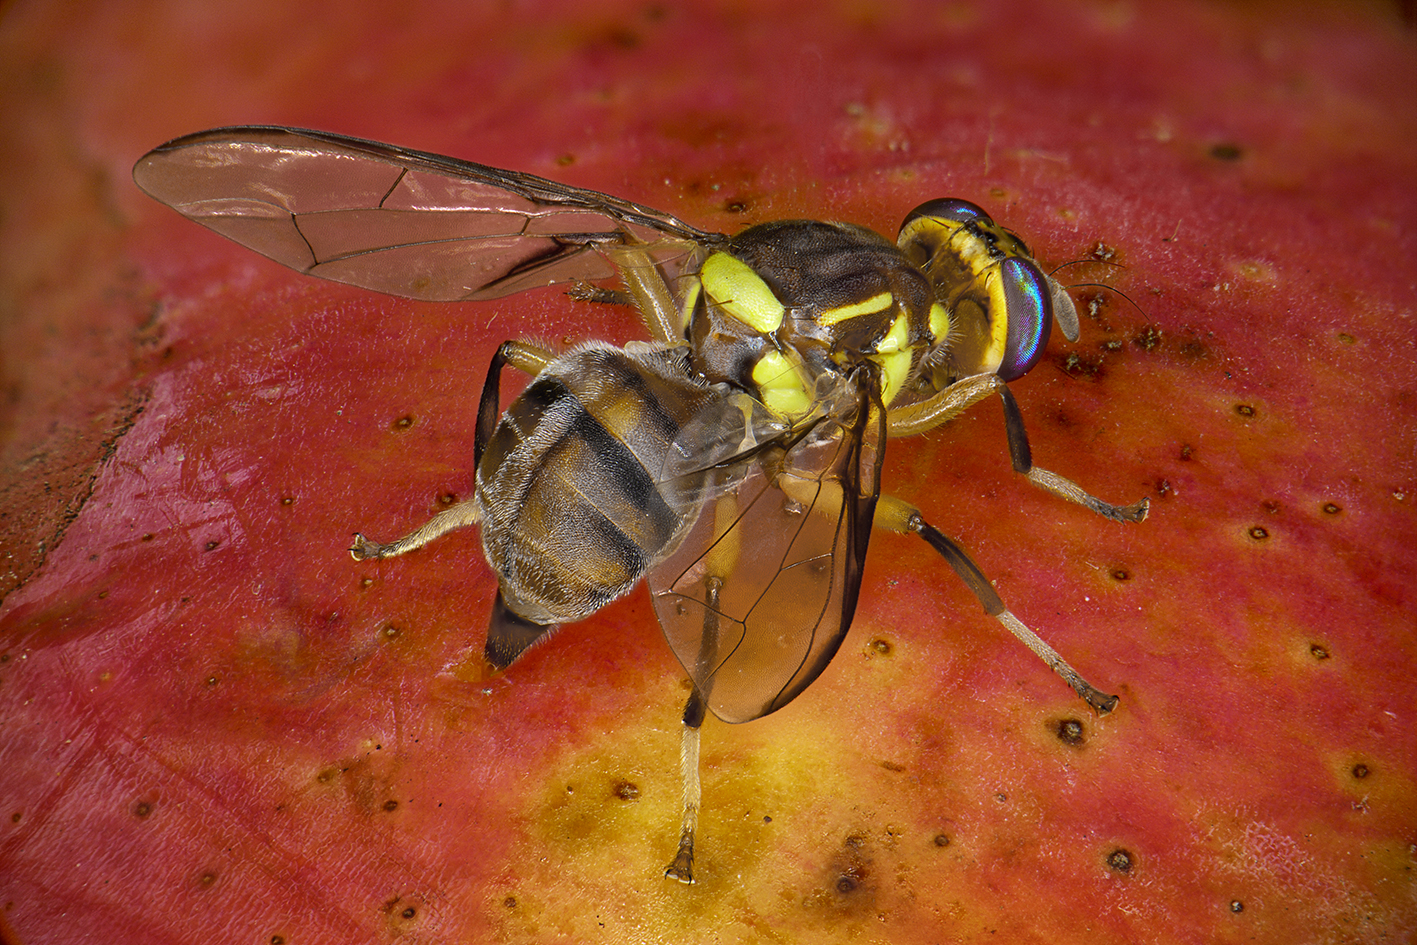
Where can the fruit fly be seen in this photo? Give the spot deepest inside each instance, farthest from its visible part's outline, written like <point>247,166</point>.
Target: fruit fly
<point>732,460</point>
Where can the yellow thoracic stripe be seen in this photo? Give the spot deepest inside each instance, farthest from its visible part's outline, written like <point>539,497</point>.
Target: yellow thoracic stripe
<point>780,385</point>
<point>895,357</point>
<point>691,299</point>
<point>741,292</point>
<point>876,303</point>
<point>939,323</point>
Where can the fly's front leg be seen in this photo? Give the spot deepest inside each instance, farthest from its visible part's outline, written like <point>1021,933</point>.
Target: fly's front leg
<point>960,396</point>
<point>895,515</point>
<point>521,355</point>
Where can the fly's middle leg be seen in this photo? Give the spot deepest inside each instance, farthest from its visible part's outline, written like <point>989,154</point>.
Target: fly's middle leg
<point>898,516</point>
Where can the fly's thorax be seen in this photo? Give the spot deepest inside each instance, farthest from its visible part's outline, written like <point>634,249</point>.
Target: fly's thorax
<point>786,302</point>
<point>574,507</point>
<point>1000,303</point>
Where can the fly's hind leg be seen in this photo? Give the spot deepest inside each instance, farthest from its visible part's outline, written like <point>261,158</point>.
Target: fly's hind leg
<point>518,354</point>
<point>895,515</point>
<point>682,868</point>
<point>720,561</point>
<point>960,396</point>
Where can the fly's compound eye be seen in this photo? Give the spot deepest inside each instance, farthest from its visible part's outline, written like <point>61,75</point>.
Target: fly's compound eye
<point>1027,308</point>
<point>948,208</point>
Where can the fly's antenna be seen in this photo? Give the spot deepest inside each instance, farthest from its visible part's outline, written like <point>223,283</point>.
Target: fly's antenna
<point>1098,285</point>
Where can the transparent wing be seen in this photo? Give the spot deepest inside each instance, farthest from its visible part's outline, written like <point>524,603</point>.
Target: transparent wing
<point>403,222</point>
<point>756,599</point>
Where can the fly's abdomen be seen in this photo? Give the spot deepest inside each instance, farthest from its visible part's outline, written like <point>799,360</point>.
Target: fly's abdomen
<point>573,512</point>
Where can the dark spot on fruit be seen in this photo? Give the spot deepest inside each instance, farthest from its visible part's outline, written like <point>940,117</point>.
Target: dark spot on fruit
<point>277,940</point>
<point>212,545</point>
<point>1344,338</point>
<point>402,423</point>
<point>942,840</point>
<point>391,632</point>
<point>365,581</point>
<point>448,498</point>
<point>1245,410</point>
<point>622,37</point>
<point>627,790</point>
<point>1270,506</point>
<point>510,902</point>
<point>142,809</point>
<point>15,817</point>
<point>1102,252</point>
<point>1001,797</point>
<point>736,206</point>
<point>213,680</point>
<point>1331,508</point>
<point>1121,574</point>
<point>409,913</point>
<point>767,819</point>
<point>1318,651</point>
<point>1236,906</point>
<point>1070,731</point>
<point>391,806</point>
<point>880,647</point>
<point>326,775</point>
<point>1226,152</point>
<point>1185,453</point>
<point>147,536</point>
<point>1163,487</point>
<point>1148,339</point>
<point>1360,771</point>
<point>1120,860</point>
<point>1258,533</point>
<point>846,883</point>
<point>287,500</point>
<point>893,767</point>
<point>1096,303</point>
<point>102,595</point>
<point>207,880</point>
<point>1077,365</point>
<point>565,160</point>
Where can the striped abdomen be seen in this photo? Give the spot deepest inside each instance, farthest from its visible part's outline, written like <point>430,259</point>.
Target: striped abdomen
<point>573,509</point>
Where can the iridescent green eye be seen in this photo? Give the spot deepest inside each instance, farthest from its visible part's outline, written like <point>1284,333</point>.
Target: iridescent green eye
<point>1028,312</point>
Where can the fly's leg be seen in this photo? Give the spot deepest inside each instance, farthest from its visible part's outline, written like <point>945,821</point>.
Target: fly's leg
<point>518,354</point>
<point>587,292</point>
<point>682,868</point>
<point>720,561</point>
<point>960,396</point>
<point>458,516</point>
<point>897,516</point>
<point>647,288</point>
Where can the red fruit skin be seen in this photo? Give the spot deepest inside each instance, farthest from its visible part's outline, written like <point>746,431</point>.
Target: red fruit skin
<point>215,726</point>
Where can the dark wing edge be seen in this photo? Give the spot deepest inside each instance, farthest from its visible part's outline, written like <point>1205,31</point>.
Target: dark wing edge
<point>756,636</point>
<point>400,221</point>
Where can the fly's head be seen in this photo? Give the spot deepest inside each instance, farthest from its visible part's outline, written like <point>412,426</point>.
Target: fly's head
<point>1001,305</point>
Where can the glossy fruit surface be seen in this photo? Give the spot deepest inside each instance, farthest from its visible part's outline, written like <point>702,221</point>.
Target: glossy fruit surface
<point>216,726</point>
